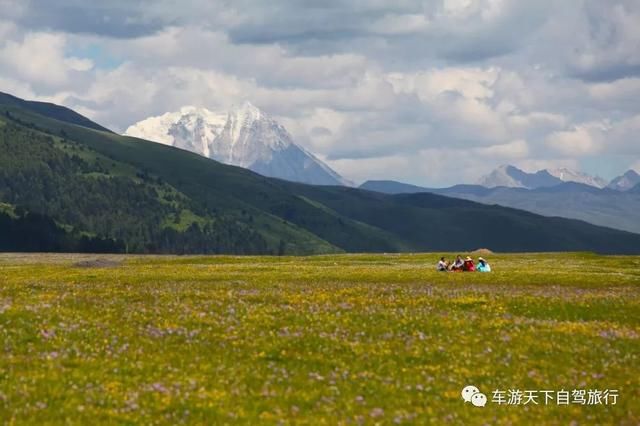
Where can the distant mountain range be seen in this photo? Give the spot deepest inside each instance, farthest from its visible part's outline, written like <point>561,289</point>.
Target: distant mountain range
<point>604,207</point>
<point>512,177</point>
<point>68,185</point>
<point>245,136</point>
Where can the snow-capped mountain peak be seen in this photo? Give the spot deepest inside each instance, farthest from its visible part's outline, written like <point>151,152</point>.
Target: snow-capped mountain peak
<point>244,136</point>
<point>249,136</point>
<point>242,117</point>
<point>625,182</point>
<point>568,175</point>
<point>502,176</point>
<point>249,112</point>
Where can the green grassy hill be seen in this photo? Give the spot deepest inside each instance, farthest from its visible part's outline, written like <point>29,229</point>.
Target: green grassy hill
<point>157,198</point>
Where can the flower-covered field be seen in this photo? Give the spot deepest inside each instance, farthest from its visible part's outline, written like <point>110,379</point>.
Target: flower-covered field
<point>348,339</point>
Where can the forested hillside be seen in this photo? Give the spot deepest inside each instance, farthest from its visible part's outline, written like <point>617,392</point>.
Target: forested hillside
<point>89,193</point>
<point>32,232</point>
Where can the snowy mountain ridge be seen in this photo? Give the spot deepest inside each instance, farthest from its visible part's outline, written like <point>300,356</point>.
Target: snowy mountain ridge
<point>245,136</point>
<point>513,177</point>
<point>568,175</point>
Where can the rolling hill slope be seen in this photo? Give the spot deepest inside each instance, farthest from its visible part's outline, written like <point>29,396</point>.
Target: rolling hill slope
<point>157,198</point>
<point>50,110</point>
<point>603,207</point>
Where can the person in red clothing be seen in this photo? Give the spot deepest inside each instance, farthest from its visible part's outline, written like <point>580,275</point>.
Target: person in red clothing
<point>469,266</point>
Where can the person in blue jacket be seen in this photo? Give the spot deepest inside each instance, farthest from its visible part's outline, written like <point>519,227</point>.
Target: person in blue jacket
<point>483,266</point>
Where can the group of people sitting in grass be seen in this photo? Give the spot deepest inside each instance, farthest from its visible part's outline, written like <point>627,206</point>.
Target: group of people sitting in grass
<point>466,265</point>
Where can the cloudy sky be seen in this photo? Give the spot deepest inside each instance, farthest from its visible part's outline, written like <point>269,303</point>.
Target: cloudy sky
<point>431,92</point>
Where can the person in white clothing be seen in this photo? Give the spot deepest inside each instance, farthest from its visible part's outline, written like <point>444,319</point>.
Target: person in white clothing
<point>443,265</point>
